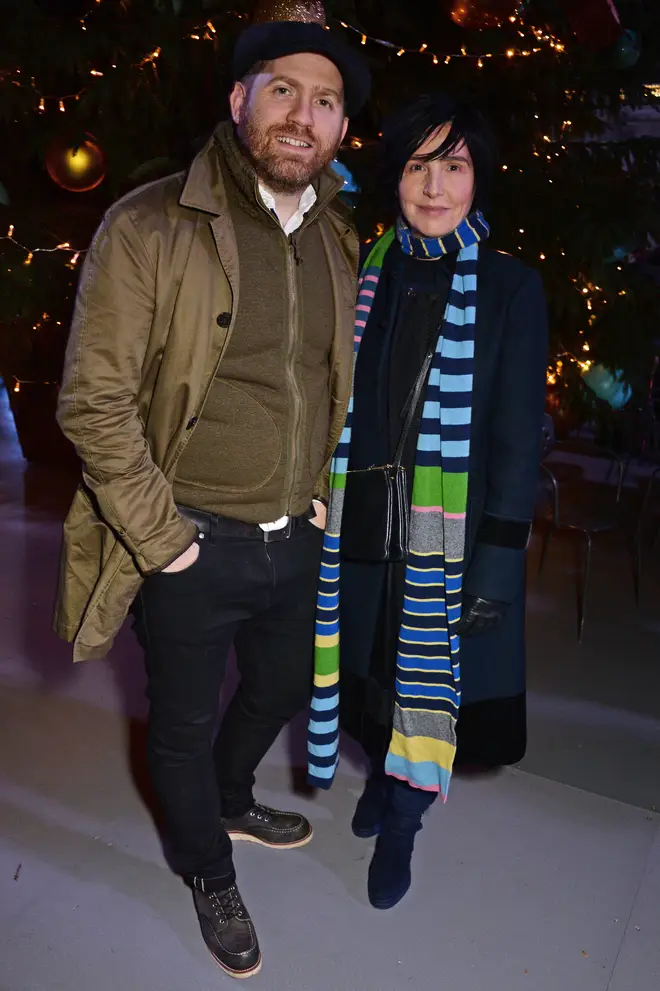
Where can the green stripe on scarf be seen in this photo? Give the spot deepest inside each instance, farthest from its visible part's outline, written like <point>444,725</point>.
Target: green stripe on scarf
<point>430,481</point>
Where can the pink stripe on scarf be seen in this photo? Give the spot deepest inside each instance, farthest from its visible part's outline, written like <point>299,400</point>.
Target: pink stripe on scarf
<point>438,509</point>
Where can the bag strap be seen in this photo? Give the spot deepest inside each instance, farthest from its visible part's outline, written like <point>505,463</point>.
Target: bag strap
<point>411,407</point>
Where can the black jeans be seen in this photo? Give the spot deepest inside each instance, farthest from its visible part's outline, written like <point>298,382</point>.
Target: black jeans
<point>261,597</point>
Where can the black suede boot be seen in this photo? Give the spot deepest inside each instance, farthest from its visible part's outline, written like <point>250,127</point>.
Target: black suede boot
<point>390,870</point>
<point>371,807</point>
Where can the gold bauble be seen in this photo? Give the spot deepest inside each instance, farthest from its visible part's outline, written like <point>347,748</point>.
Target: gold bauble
<point>76,166</point>
<point>311,12</point>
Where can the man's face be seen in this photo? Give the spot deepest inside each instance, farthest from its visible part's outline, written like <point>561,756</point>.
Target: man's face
<point>290,119</point>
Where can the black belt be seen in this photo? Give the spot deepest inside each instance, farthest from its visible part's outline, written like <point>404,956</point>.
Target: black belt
<point>212,525</point>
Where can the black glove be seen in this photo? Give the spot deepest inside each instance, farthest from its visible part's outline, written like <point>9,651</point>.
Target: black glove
<point>479,615</point>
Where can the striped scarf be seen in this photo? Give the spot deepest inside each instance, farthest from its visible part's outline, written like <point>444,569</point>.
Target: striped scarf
<point>427,689</point>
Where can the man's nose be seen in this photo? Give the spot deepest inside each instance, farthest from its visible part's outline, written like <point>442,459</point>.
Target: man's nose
<point>301,113</point>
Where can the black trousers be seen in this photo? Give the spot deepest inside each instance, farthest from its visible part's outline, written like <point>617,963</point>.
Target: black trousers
<point>261,597</point>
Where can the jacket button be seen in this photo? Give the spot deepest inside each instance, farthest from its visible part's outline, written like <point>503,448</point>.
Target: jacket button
<point>191,423</point>
<point>223,319</point>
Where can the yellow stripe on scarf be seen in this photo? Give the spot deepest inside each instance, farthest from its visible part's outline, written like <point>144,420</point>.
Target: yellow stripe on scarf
<point>420,749</point>
<point>330,641</point>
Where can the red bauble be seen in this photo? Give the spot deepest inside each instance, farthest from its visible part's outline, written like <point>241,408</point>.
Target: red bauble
<point>478,14</point>
<point>76,165</point>
<point>595,22</point>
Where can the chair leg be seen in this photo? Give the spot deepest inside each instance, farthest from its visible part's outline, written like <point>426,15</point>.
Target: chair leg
<point>544,547</point>
<point>636,551</point>
<point>584,585</point>
<point>656,531</point>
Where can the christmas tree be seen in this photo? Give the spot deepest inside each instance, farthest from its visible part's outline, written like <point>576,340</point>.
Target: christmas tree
<point>99,96</point>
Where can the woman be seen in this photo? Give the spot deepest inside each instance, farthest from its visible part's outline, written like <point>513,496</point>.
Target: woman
<point>452,352</point>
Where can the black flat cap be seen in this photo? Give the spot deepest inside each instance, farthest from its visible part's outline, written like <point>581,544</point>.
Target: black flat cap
<point>275,39</point>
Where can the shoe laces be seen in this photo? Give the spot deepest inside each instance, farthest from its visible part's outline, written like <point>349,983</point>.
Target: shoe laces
<point>262,813</point>
<point>227,904</point>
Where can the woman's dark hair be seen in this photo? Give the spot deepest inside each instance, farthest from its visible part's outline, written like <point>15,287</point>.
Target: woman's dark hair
<point>414,124</point>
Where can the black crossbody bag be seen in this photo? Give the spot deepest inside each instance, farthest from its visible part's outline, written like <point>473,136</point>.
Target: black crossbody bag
<point>376,516</point>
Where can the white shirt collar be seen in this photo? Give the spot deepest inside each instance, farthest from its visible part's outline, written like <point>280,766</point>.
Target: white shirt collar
<point>307,201</point>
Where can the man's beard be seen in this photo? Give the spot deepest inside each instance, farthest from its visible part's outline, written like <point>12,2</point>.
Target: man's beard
<point>283,173</point>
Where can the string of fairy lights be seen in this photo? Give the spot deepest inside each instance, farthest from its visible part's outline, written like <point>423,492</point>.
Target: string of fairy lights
<point>533,40</point>
<point>74,253</point>
<point>536,40</point>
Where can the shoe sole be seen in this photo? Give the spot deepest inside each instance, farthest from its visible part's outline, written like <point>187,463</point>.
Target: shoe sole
<point>240,975</point>
<point>248,838</point>
<point>383,905</point>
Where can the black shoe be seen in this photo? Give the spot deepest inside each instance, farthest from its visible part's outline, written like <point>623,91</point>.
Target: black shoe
<point>371,807</point>
<point>228,931</point>
<point>284,830</point>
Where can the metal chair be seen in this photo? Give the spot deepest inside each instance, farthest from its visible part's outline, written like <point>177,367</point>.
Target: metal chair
<point>647,522</point>
<point>584,509</point>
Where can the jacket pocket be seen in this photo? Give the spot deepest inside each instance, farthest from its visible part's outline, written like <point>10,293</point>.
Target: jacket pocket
<point>236,446</point>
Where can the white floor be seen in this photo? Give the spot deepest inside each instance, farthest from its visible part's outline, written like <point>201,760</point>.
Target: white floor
<point>543,878</point>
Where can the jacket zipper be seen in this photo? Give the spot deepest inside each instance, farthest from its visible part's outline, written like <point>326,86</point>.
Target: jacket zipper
<point>295,395</point>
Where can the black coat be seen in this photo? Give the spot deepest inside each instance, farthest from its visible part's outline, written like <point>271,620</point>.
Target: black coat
<point>511,354</point>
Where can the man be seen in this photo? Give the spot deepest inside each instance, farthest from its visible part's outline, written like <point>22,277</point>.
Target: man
<point>206,385</point>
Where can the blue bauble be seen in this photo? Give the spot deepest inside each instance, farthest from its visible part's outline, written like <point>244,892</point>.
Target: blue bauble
<point>608,386</point>
<point>626,52</point>
<point>350,185</point>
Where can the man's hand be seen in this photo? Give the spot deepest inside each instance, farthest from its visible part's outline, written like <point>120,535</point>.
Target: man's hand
<point>321,517</point>
<point>183,561</point>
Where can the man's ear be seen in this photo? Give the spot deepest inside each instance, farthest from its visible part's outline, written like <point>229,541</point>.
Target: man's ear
<point>344,129</point>
<point>237,99</point>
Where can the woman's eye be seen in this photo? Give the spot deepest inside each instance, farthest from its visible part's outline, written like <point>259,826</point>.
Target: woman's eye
<point>416,167</point>
<point>283,90</point>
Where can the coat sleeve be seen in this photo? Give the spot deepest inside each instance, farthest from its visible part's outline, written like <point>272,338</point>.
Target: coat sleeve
<point>322,487</point>
<point>98,401</point>
<point>514,447</point>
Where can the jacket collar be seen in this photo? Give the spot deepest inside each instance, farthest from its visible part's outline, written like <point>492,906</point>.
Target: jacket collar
<point>205,187</point>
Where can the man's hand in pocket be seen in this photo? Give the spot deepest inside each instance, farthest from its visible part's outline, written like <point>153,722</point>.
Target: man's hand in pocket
<point>321,517</point>
<point>183,561</point>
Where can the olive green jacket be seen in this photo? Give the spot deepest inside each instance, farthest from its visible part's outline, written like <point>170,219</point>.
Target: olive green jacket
<point>155,311</point>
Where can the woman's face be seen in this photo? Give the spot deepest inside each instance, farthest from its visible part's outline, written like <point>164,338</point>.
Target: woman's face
<point>436,196</point>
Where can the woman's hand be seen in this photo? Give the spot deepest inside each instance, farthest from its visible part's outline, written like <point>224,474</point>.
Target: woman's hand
<point>479,616</point>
